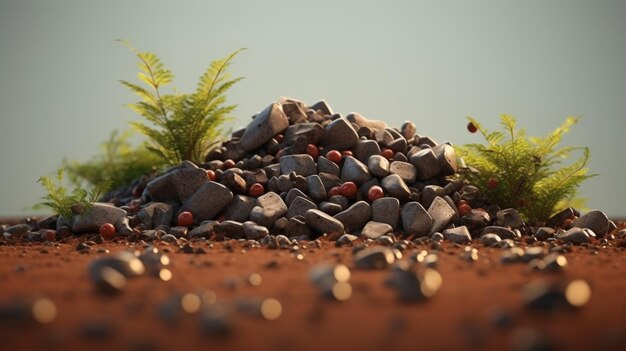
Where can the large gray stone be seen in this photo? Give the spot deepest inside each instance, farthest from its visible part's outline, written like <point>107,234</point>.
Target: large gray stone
<point>208,201</point>
<point>155,214</point>
<point>577,235</point>
<point>459,235</point>
<point>355,217</point>
<point>323,223</point>
<point>270,207</point>
<point>441,213</point>
<point>386,210</point>
<point>510,218</point>
<point>426,164</point>
<point>254,231</point>
<point>373,230</point>
<point>299,206</point>
<point>239,208</point>
<point>177,185</point>
<point>415,219</point>
<point>366,148</point>
<point>361,121</point>
<point>309,132</point>
<point>339,135</point>
<point>205,229</point>
<point>447,159</point>
<point>297,227</point>
<point>292,194</point>
<point>230,229</point>
<point>355,171</point>
<point>379,257</point>
<point>300,164</point>
<point>378,166</point>
<point>325,165</point>
<point>405,170</point>
<point>264,127</point>
<point>316,187</point>
<point>594,220</point>
<point>99,214</point>
<point>394,186</point>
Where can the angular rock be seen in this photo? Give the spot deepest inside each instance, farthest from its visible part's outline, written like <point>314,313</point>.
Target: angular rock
<point>441,213</point>
<point>270,207</point>
<point>557,219</point>
<point>430,192</point>
<point>239,208</point>
<point>177,185</point>
<point>366,148</point>
<point>544,233</point>
<point>99,214</point>
<point>459,235</point>
<point>254,231</point>
<point>394,186</point>
<point>355,171</point>
<point>374,258</point>
<point>299,206</point>
<point>490,239</point>
<point>408,130</point>
<point>577,235</point>
<point>300,164</point>
<point>311,133</point>
<point>325,165</point>
<point>426,164</point>
<point>234,182</point>
<point>322,106</point>
<point>292,194</point>
<point>595,220</point>
<point>447,159</point>
<point>339,135</point>
<point>509,217</point>
<point>316,188</point>
<point>361,121</point>
<point>330,181</point>
<point>378,166</point>
<point>297,227</point>
<point>412,286</point>
<point>373,230</point>
<point>208,201</point>
<point>405,170</point>
<point>386,210</point>
<point>323,223</point>
<point>502,232</point>
<point>204,230</point>
<point>340,200</point>
<point>355,217</point>
<point>230,229</point>
<point>264,127</point>
<point>155,214</point>
<point>415,219</point>
<point>330,208</point>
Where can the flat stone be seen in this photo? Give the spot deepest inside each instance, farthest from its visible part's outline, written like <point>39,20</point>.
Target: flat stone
<point>386,210</point>
<point>595,220</point>
<point>339,135</point>
<point>441,213</point>
<point>208,201</point>
<point>405,170</point>
<point>311,133</point>
<point>323,223</point>
<point>430,192</point>
<point>577,236</point>
<point>300,164</point>
<point>426,164</point>
<point>355,171</point>
<point>544,233</point>
<point>292,194</point>
<point>297,227</point>
<point>415,219</point>
<point>502,232</point>
<point>510,218</point>
<point>355,217</point>
<point>269,122</point>
<point>99,214</point>
<point>323,106</point>
<point>378,166</point>
<point>340,200</point>
<point>374,258</point>
<point>366,148</point>
<point>459,235</point>
<point>155,214</point>
<point>490,239</point>
<point>316,188</point>
<point>204,230</point>
<point>254,231</point>
<point>373,230</point>
<point>394,186</point>
<point>361,121</point>
<point>330,208</point>
<point>270,207</point>
<point>230,229</point>
<point>299,206</point>
<point>325,165</point>
<point>238,209</point>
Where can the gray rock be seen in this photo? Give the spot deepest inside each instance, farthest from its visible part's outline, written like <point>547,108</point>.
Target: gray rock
<point>594,220</point>
<point>412,286</point>
<point>374,258</point>
<point>355,217</point>
<point>230,229</point>
<point>544,233</point>
<point>270,207</point>
<point>361,121</point>
<point>155,214</point>
<point>99,214</point>
<point>239,208</point>
<point>204,230</point>
<point>426,164</point>
<point>509,217</point>
<point>323,223</point>
<point>476,219</point>
<point>325,165</point>
<point>300,164</point>
<point>430,192</point>
<point>169,238</point>
<point>339,135</point>
<point>355,171</point>
<point>394,186</point>
<point>330,208</point>
<point>405,170</point>
<point>386,210</point>
<point>577,235</point>
<point>459,235</point>
<point>208,201</point>
<point>441,213</point>
<point>109,273</point>
<point>415,219</point>
<point>378,166</point>
<point>340,200</point>
<point>490,239</point>
<point>345,239</point>
<point>299,206</point>
<point>366,148</point>
<point>154,260</point>
<point>256,176</point>
<point>17,229</point>
<point>177,185</point>
<point>329,180</point>
<point>408,130</point>
<point>311,133</point>
<point>254,231</point>
<point>373,230</point>
<point>292,194</point>
<point>296,227</point>
<point>322,106</point>
<point>316,187</point>
<point>502,232</point>
<point>447,159</point>
<point>558,218</point>
<point>234,182</point>
<point>264,127</point>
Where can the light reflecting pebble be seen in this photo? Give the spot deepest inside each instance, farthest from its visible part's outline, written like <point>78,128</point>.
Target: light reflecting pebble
<point>271,309</point>
<point>255,279</point>
<point>190,303</point>
<point>578,293</point>
<point>165,275</point>
<point>44,310</point>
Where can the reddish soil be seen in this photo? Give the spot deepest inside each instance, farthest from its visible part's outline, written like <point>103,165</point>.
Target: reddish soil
<point>459,316</point>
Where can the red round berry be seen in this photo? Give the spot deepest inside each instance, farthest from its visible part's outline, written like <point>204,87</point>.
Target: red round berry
<point>185,219</point>
<point>461,202</point>
<point>334,191</point>
<point>334,156</point>
<point>464,209</point>
<point>471,127</point>
<point>229,164</point>
<point>492,183</point>
<point>313,151</point>
<point>211,175</point>
<point>107,230</point>
<point>387,153</point>
<point>346,153</point>
<point>348,189</point>
<point>256,190</point>
<point>375,193</point>
<point>279,138</point>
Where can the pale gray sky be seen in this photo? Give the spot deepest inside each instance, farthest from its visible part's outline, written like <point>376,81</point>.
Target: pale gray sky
<point>432,62</point>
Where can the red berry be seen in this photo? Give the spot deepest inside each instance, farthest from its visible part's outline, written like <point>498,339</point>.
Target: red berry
<point>375,193</point>
<point>256,190</point>
<point>107,230</point>
<point>229,164</point>
<point>334,191</point>
<point>492,183</point>
<point>334,156</point>
<point>348,189</point>
<point>211,175</point>
<point>185,219</point>
<point>471,127</point>
<point>279,138</point>
<point>387,153</point>
<point>464,209</point>
<point>313,151</point>
<point>346,153</point>
<point>461,202</point>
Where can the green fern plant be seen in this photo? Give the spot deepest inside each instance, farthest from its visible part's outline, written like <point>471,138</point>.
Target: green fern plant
<point>60,200</point>
<point>513,170</point>
<point>182,126</point>
<point>120,163</point>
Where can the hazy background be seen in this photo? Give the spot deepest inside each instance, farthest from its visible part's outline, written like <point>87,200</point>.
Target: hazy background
<point>432,62</point>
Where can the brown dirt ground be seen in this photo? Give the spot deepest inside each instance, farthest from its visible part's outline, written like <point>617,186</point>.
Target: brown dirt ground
<point>458,317</point>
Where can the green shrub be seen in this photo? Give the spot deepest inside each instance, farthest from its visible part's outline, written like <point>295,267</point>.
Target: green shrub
<point>513,170</point>
<point>182,126</point>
